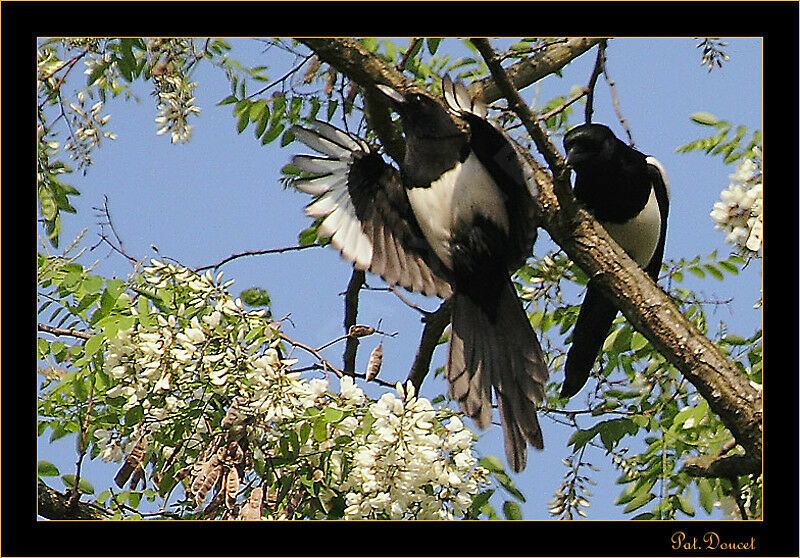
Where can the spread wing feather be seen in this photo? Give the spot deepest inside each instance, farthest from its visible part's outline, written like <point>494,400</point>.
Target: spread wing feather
<point>365,210</point>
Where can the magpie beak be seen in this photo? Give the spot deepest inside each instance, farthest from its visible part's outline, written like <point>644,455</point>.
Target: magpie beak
<point>453,221</point>
<point>628,193</point>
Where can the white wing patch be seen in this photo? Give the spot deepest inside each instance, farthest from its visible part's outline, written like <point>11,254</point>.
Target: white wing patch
<point>369,245</point>
<point>657,164</point>
<point>341,223</point>
<point>639,235</point>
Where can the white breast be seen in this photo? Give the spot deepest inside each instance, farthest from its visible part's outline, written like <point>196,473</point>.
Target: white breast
<point>456,197</point>
<point>639,236</point>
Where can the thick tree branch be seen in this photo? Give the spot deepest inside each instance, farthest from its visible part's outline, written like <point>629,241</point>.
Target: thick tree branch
<point>350,318</point>
<point>529,71</point>
<point>55,505</point>
<point>435,324</point>
<point>730,466</point>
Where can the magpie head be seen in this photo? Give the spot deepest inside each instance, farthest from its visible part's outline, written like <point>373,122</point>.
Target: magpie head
<point>422,116</point>
<point>589,146</point>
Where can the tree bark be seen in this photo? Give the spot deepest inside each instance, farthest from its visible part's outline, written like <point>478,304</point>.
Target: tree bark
<point>55,505</point>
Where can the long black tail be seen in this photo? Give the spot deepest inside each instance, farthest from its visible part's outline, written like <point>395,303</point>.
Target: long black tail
<point>594,320</point>
<point>499,350</point>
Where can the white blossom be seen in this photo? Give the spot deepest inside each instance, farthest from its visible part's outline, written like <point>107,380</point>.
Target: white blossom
<point>739,214</point>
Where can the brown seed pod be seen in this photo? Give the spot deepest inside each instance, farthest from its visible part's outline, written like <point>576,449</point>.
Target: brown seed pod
<point>231,487</point>
<point>251,510</point>
<point>132,463</point>
<point>360,331</point>
<point>375,362</point>
<point>207,479</point>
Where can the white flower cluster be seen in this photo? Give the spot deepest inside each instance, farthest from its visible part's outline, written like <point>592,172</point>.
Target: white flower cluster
<point>740,212</point>
<point>175,105</point>
<point>409,465</point>
<point>181,360</point>
<point>391,458</point>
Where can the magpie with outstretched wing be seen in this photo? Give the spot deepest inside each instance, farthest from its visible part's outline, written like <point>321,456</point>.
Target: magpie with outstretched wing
<point>628,193</point>
<point>454,220</point>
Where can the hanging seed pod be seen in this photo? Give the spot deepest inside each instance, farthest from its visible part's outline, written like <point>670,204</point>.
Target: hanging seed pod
<point>375,362</point>
<point>132,462</point>
<point>207,479</point>
<point>360,331</point>
<point>272,498</point>
<point>231,487</point>
<point>232,416</point>
<point>251,510</point>
<point>312,69</point>
<point>137,477</point>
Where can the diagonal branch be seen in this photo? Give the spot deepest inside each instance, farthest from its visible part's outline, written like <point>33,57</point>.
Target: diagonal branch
<point>530,70</point>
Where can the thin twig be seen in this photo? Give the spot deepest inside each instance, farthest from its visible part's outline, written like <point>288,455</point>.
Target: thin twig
<point>563,106</point>
<point>253,253</point>
<point>615,99</point>
<point>326,364</point>
<point>68,65</point>
<point>599,66</point>
<point>407,302</point>
<point>282,78</point>
<point>357,280</point>
<point>314,352</point>
<point>119,247</point>
<point>76,495</point>
<point>63,331</point>
<point>414,42</point>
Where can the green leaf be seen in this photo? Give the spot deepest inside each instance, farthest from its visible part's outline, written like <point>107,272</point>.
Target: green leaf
<point>581,437</point>
<point>258,109</point>
<point>433,44</point>
<point>612,431</point>
<point>331,108</point>
<point>480,499</point>
<point>506,482</point>
<point>492,463</point>
<point>697,271</point>
<point>704,119</point>
<point>333,415</point>
<point>93,344</point>
<point>229,100</point>
<point>714,271</point>
<point>638,502</point>
<point>638,341</point>
<point>84,487</point>
<point>511,510</point>
<point>46,469</point>
<point>263,122</point>
<point>684,505</point>
<point>320,430</point>
<point>244,120</point>
<point>706,493</point>
<point>256,297</point>
<point>272,133</point>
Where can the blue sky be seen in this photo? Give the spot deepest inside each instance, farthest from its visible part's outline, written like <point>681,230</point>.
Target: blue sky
<point>220,194</point>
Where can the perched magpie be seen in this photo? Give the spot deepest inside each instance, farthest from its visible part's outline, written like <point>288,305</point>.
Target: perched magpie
<point>628,193</point>
<point>453,221</point>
